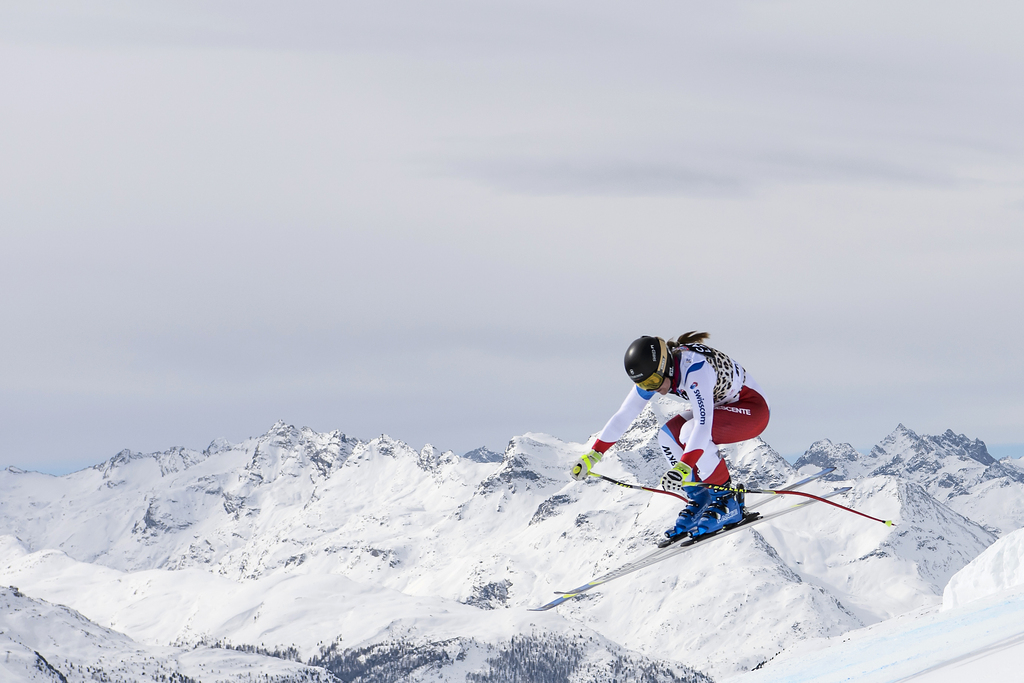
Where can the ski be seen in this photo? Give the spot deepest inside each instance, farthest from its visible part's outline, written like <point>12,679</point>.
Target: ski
<point>662,554</point>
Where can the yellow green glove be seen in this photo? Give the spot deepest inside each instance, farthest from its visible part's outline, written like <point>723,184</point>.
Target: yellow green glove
<point>676,477</point>
<point>581,469</point>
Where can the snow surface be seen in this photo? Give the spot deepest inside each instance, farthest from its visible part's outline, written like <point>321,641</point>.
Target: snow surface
<point>983,639</point>
<point>999,568</point>
<point>978,638</point>
<point>40,641</point>
<point>318,542</point>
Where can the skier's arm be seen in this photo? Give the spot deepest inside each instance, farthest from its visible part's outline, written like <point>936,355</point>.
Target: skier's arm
<point>613,430</point>
<point>617,425</point>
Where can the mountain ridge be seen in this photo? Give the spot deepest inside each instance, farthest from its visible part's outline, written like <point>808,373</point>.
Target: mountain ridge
<point>491,536</point>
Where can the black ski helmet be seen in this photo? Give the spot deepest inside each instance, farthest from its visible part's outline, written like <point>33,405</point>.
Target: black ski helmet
<point>647,357</point>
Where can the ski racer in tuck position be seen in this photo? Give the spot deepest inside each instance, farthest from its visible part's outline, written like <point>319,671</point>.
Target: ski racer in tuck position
<point>727,406</point>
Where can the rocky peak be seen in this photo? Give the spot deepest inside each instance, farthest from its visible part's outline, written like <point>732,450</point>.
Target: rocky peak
<point>431,458</point>
<point>525,463</point>
<point>975,450</point>
<point>482,454</point>
<point>756,464</point>
<point>282,435</point>
<point>122,458</point>
<point>386,446</point>
<point>284,449</point>
<point>171,461</point>
<point>849,463</point>
<point>218,445</point>
<point>905,453</point>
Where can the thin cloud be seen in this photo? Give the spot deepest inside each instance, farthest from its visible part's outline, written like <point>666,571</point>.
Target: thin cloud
<point>736,177</point>
<point>607,177</point>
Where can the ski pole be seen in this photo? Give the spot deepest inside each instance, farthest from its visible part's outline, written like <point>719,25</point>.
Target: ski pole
<point>716,487</point>
<point>637,487</point>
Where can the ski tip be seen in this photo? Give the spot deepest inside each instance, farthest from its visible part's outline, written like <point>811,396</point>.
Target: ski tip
<point>668,542</point>
<point>563,597</point>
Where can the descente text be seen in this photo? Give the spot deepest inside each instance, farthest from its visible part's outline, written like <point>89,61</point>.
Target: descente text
<point>731,409</point>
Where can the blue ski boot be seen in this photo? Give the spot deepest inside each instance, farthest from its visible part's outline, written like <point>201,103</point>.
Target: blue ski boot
<point>725,508</point>
<point>688,517</point>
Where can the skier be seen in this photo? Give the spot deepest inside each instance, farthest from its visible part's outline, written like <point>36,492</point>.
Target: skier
<point>727,406</point>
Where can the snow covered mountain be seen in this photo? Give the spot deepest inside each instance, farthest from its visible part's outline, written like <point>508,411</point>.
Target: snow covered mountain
<point>76,649</point>
<point>362,557</point>
<point>952,468</point>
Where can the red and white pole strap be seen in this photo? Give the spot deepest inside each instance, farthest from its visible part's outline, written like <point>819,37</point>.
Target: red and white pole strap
<point>714,487</point>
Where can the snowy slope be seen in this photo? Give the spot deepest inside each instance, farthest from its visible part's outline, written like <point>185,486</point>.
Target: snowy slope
<point>296,538</point>
<point>876,571</point>
<point>160,606</point>
<point>46,642</point>
<point>281,529</point>
<point>999,568</point>
<point>983,639</point>
<point>978,633</point>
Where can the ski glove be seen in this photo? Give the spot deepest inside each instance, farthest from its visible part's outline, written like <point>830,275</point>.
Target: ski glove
<point>581,469</point>
<point>676,477</point>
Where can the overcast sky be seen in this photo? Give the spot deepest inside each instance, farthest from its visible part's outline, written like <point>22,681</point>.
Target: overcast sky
<point>446,221</point>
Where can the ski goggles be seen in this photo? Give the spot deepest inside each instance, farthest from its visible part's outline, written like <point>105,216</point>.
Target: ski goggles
<point>652,383</point>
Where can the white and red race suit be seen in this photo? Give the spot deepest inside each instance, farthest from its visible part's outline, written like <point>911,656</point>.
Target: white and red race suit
<point>726,406</point>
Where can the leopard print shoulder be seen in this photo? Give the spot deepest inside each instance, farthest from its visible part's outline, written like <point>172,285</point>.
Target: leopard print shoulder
<point>729,371</point>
